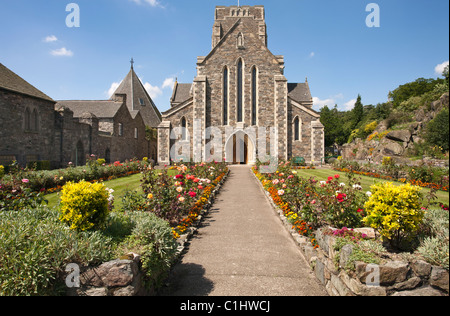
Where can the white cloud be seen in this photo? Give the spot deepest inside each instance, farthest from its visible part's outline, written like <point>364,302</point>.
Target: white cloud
<point>152,3</point>
<point>350,105</point>
<point>439,69</point>
<point>318,103</point>
<point>50,38</point>
<point>153,90</point>
<point>312,54</point>
<point>62,52</point>
<point>112,89</point>
<point>168,83</point>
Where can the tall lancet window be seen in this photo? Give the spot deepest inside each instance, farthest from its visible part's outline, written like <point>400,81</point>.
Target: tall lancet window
<point>225,96</point>
<point>239,91</point>
<point>297,128</point>
<point>254,96</point>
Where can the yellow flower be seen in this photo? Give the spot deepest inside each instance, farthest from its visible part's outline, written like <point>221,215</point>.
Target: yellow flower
<point>150,196</point>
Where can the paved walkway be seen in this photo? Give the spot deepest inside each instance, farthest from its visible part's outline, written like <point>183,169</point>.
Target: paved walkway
<point>242,249</point>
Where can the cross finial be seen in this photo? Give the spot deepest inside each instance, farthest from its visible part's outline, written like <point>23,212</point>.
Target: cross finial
<point>132,62</point>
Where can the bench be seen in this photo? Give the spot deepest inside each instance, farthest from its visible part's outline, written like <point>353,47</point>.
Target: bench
<point>298,161</point>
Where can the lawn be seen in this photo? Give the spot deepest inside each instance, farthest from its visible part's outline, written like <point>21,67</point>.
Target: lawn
<point>120,186</point>
<point>366,182</point>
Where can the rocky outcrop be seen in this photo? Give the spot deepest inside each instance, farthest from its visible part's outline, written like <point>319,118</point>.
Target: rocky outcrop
<point>395,143</point>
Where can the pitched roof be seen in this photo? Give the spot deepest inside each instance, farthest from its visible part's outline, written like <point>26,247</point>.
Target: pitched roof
<point>101,109</point>
<point>12,82</point>
<point>181,93</point>
<point>135,90</point>
<point>299,92</point>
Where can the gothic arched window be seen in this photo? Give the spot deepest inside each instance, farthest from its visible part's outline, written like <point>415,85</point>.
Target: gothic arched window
<point>225,96</point>
<point>183,128</point>
<point>240,95</point>
<point>297,128</point>
<point>254,96</point>
<point>27,119</point>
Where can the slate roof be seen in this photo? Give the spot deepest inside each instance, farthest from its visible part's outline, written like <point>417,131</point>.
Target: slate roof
<point>12,82</point>
<point>299,92</point>
<point>101,109</point>
<point>181,93</point>
<point>134,89</point>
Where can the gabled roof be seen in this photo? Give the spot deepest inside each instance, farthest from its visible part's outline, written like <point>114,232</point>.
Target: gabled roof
<point>101,109</point>
<point>135,90</point>
<point>12,82</point>
<point>181,93</point>
<point>299,92</point>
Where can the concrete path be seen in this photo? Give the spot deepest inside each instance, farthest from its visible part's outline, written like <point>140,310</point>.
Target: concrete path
<point>242,249</point>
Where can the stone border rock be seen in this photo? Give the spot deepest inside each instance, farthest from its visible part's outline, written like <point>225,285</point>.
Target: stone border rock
<point>396,278</point>
<point>123,277</point>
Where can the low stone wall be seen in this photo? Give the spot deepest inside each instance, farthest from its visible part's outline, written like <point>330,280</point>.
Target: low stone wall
<point>395,278</point>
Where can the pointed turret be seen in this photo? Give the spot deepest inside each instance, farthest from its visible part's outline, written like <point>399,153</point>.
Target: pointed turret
<point>138,99</point>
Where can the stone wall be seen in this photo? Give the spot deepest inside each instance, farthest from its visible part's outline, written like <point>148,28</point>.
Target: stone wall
<point>26,143</point>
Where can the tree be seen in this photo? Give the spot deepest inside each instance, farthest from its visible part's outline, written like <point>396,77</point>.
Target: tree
<point>437,131</point>
<point>413,89</point>
<point>357,112</point>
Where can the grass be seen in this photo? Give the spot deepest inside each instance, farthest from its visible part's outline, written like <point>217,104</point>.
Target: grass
<point>120,186</point>
<point>366,182</point>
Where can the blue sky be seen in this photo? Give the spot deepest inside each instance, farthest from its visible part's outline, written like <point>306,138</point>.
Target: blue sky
<point>327,41</point>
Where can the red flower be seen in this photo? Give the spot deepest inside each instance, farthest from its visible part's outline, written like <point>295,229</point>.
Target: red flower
<point>340,197</point>
<point>360,210</point>
<point>330,178</point>
<point>179,176</point>
<point>192,194</point>
<point>336,176</point>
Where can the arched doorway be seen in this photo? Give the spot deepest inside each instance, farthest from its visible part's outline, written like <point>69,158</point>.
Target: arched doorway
<point>240,149</point>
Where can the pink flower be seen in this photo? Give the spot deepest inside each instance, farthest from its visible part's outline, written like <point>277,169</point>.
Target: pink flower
<point>281,192</point>
<point>192,194</point>
<point>200,187</point>
<point>313,202</point>
<point>196,180</point>
<point>25,181</point>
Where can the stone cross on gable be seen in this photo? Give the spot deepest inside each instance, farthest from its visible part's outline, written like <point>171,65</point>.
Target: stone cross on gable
<point>132,62</point>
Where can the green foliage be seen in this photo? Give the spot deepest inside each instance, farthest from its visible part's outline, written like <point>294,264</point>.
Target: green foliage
<point>437,131</point>
<point>153,239</point>
<point>133,201</point>
<point>357,112</point>
<point>435,245</point>
<point>35,247</point>
<point>84,206</point>
<point>413,89</point>
<point>394,211</point>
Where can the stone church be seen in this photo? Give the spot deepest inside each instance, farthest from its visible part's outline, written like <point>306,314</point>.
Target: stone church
<point>240,90</point>
<point>34,127</point>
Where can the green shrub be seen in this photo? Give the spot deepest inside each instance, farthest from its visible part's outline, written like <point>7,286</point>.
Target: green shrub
<point>153,239</point>
<point>84,206</point>
<point>35,248</point>
<point>394,211</point>
<point>437,130</point>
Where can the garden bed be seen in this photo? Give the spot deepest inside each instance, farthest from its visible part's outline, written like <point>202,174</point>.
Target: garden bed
<point>143,239</point>
<point>353,262</point>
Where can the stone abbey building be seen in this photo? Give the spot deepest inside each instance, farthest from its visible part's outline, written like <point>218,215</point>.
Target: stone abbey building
<point>240,89</point>
<point>34,127</point>
<point>240,107</point>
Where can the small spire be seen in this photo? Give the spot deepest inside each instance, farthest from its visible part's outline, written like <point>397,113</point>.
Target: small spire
<point>132,62</point>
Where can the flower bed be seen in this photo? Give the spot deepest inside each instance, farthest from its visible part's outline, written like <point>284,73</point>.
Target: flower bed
<point>425,176</point>
<point>311,207</point>
<point>47,182</point>
<point>180,199</point>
